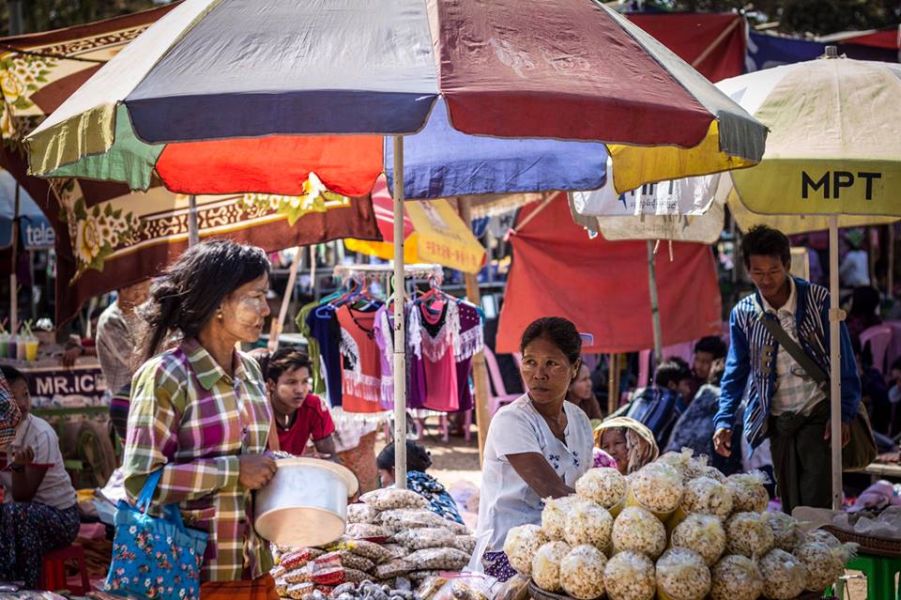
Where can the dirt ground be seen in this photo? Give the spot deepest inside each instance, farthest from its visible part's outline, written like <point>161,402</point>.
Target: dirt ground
<point>456,464</point>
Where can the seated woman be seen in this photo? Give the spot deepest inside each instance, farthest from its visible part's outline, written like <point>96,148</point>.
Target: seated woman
<point>537,446</point>
<point>40,512</point>
<point>418,461</point>
<point>629,442</point>
<point>581,394</point>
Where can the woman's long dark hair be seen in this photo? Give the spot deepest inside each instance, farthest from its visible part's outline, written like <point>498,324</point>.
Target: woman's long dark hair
<point>192,289</point>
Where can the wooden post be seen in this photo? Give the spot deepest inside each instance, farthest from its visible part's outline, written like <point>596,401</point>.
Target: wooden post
<point>479,370</point>
<point>613,384</point>
<point>890,279</point>
<point>277,326</point>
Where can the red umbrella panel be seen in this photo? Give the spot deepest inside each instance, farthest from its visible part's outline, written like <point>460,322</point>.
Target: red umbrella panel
<point>109,237</point>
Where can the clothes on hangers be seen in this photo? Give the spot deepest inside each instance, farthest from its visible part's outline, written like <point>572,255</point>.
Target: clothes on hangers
<point>324,328</point>
<point>351,345</point>
<point>360,361</point>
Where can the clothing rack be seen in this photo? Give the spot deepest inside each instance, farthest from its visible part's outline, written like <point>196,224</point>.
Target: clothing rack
<point>361,274</point>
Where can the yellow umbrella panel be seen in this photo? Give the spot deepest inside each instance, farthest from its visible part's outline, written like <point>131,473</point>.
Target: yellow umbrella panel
<point>433,233</point>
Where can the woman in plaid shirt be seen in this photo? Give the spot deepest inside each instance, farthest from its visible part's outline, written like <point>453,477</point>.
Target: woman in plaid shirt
<point>199,411</point>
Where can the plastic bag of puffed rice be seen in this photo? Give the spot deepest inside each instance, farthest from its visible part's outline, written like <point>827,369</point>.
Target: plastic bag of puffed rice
<point>707,496</point>
<point>748,491</point>
<point>588,523</point>
<point>638,530</point>
<point>363,531</point>
<point>749,535</point>
<point>546,565</point>
<point>630,576</point>
<point>702,533</point>
<point>784,575</point>
<point>521,545</point>
<point>787,531</point>
<point>412,518</point>
<point>466,543</point>
<point>605,486</point>
<point>449,559</point>
<point>361,513</point>
<point>680,461</point>
<point>736,577</point>
<point>426,537</point>
<point>682,575</point>
<point>582,572</point>
<point>553,516</point>
<point>393,498</point>
<point>824,564</point>
<point>656,487</point>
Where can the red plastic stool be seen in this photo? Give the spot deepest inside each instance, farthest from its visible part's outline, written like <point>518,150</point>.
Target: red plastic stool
<point>53,570</point>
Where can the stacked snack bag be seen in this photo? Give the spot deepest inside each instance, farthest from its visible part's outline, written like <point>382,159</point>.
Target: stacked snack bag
<point>392,543</point>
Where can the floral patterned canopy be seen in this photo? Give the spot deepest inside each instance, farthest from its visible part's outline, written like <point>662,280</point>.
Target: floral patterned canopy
<point>108,237</point>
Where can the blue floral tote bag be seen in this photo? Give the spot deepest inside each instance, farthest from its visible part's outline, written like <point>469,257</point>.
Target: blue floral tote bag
<point>155,557</point>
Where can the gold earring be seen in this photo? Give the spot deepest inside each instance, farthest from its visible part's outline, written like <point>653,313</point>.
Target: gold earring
<point>219,314</point>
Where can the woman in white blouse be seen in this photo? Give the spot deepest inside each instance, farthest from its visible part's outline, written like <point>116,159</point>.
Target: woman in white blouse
<point>539,445</point>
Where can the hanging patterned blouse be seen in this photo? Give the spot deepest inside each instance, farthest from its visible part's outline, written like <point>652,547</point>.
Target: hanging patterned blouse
<point>441,348</point>
<point>361,373</point>
<point>189,418</point>
<point>384,339</point>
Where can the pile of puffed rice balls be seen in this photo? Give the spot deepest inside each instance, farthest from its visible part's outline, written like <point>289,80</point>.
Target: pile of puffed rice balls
<point>676,529</point>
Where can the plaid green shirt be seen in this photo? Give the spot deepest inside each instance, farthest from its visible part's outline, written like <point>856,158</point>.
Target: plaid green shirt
<point>189,418</point>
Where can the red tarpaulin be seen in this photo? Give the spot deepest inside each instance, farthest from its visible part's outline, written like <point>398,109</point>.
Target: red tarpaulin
<point>603,286</point>
<point>714,44</point>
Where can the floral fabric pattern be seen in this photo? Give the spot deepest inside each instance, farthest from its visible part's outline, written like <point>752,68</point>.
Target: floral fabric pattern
<point>153,558</point>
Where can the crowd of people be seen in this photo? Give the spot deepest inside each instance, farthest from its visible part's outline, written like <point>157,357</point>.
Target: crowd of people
<point>190,406</point>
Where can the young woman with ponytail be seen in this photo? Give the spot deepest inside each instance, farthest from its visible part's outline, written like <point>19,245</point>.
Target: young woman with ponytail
<point>199,410</point>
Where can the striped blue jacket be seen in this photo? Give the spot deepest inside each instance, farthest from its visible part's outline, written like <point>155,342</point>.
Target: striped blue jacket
<point>751,361</point>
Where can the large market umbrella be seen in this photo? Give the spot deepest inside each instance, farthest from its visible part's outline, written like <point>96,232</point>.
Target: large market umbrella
<point>38,73</point>
<point>224,96</point>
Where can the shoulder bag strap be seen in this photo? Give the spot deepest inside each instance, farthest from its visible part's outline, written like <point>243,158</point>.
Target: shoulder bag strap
<point>810,367</point>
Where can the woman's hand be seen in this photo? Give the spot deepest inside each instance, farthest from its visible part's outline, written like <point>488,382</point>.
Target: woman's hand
<point>255,470</point>
<point>23,457</point>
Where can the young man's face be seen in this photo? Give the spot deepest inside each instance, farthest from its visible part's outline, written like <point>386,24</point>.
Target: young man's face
<point>19,388</point>
<point>291,389</point>
<point>701,364</point>
<point>768,273</point>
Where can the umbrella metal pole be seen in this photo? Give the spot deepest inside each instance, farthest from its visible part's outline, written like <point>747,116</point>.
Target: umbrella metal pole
<point>835,387</point>
<point>400,345</point>
<point>193,232</point>
<point>655,305</point>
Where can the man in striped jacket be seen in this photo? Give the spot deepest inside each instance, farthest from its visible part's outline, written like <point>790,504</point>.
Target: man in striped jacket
<point>784,402</point>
